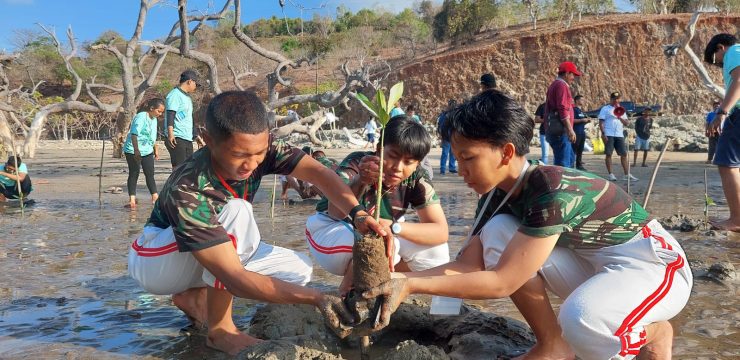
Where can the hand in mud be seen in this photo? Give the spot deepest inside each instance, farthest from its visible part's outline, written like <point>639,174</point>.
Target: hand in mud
<point>335,314</point>
<point>394,292</point>
<point>369,170</point>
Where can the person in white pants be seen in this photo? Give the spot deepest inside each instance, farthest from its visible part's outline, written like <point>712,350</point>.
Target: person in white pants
<point>201,243</point>
<point>620,274</point>
<point>416,245</point>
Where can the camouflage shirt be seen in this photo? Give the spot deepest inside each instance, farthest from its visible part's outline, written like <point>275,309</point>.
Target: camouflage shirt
<point>586,210</point>
<point>416,191</point>
<point>193,195</point>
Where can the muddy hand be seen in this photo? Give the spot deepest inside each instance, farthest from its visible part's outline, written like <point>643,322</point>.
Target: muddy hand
<point>365,223</point>
<point>394,291</point>
<point>369,169</point>
<point>335,314</point>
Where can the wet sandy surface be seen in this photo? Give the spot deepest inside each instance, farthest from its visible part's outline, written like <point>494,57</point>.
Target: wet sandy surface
<point>64,292</point>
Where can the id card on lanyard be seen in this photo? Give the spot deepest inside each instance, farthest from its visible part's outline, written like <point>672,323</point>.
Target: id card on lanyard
<point>443,305</point>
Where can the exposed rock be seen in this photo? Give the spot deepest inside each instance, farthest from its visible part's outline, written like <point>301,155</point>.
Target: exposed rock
<point>410,350</point>
<point>412,334</point>
<point>682,222</point>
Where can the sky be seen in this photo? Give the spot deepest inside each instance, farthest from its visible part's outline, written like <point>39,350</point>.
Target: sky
<point>90,18</point>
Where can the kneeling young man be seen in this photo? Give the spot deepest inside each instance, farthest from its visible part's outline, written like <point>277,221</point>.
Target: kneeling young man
<point>620,274</point>
<point>417,246</point>
<point>205,212</point>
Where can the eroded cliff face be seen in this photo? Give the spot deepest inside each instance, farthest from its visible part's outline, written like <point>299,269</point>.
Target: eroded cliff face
<point>616,53</point>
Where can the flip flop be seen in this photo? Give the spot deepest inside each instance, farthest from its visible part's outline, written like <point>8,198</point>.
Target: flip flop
<point>117,190</point>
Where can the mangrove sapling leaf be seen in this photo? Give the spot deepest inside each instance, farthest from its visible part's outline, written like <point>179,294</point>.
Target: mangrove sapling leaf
<point>395,95</point>
<point>370,105</point>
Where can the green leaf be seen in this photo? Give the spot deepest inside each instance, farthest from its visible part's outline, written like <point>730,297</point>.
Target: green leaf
<point>709,201</point>
<point>395,95</point>
<point>381,108</point>
<point>371,106</point>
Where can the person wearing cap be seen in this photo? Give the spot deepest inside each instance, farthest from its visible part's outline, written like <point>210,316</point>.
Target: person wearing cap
<point>612,132</point>
<point>559,100</point>
<point>487,82</point>
<point>643,125</point>
<point>178,118</point>
<point>711,137</point>
<point>723,50</point>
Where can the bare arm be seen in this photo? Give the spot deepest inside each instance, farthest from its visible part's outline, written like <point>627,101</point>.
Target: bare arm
<point>135,144</point>
<point>221,260</point>
<point>338,193</point>
<point>732,96</point>
<point>431,229</point>
<point>519,261</point>
<point>20,176</point>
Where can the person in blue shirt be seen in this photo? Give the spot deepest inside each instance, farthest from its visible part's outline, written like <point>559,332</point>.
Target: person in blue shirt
<point>179,118</point>
<point>9,177</point>
<point>141,150</point>
<point>446,147</point>
<point>724,51</point>
<point>579,127</point>
<point>711,137</point>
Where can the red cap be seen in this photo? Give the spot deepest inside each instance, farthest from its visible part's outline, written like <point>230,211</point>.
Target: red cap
<point>570,67</point>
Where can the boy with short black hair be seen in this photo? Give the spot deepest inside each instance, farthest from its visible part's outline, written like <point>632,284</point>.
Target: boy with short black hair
<point>417,245</point>
<point>202,237</point>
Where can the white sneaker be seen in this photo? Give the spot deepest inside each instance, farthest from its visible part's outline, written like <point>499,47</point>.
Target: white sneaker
<point>630,177</point>
<point>611,177</point>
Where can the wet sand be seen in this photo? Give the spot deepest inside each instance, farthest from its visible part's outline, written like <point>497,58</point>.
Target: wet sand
<point>64,292</point>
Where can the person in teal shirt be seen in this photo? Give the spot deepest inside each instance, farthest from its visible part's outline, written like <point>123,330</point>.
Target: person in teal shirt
<point>179,118</point>
<point>10,176</point>
<point>140,149</point>
<point>397,110</point>
<point>723,50</point>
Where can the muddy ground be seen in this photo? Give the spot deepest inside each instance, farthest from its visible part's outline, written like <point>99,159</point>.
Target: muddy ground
<point>64,292</point>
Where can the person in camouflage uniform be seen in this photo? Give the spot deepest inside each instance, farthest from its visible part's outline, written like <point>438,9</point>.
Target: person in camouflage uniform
<point>620,274</point>
<point>305,189</point>
<point>202,244</point>
<point>417,245</point>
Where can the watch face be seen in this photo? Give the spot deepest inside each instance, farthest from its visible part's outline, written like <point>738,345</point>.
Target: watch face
<point>396,228</point>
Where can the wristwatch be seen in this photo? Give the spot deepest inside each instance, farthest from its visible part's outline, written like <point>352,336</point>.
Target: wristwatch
<point>396,228</point>
<point>721,112</point>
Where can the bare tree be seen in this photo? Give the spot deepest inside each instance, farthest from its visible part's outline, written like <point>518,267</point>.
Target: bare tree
<point>533,6</point>
<point>134,81</point>
<point>671,50</point>
<point>310,124</point>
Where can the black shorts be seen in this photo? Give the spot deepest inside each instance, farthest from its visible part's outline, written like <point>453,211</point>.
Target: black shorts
<point>182,151</point>
<point>615,143</point>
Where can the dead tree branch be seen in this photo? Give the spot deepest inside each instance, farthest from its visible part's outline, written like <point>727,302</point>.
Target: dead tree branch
<point>696,62</point>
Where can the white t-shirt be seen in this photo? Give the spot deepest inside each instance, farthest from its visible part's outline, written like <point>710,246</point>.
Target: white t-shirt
<point>612,126</point>
<point>370,127</point>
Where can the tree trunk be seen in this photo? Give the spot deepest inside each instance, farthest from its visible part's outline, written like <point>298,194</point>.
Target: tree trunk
<point>64,128</point>
<point>123,122</point>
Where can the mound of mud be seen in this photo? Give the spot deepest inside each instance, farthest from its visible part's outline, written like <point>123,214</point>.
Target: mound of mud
<point>298,332</point>
<point>682,223</point>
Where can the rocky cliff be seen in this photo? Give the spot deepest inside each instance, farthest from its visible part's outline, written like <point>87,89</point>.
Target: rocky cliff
<point>618,52</point>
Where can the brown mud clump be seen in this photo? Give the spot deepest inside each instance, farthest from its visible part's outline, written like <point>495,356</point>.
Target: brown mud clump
<point>370,264</point>
<point>370,268</point>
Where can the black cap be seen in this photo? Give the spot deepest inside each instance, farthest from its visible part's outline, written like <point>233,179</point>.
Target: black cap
<point>488,80</point>
<point>189,74</point>
<point>615,95</point>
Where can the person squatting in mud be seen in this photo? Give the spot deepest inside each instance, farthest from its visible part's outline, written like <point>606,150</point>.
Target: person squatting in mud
<point>416,245</point>
<point>620,274</point>
<point>201,243</point>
